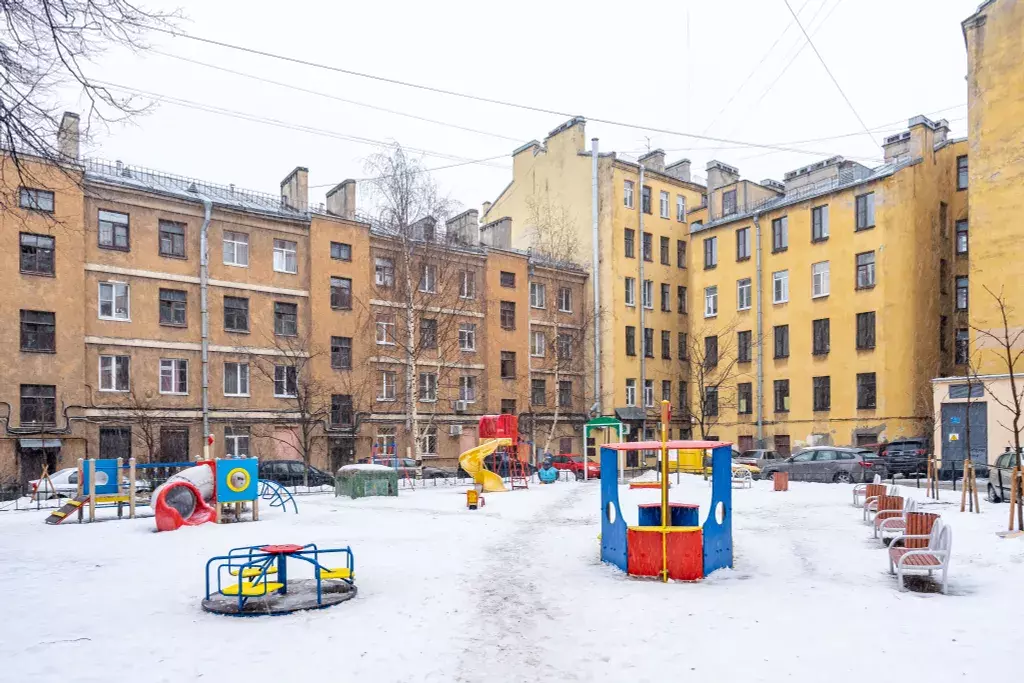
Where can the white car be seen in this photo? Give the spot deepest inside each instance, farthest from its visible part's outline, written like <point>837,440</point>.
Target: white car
<point>64,484</point>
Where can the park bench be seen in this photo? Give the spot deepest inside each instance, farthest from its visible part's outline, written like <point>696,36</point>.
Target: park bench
<point>741,478</point>
<point>860,491</point>
<point>871,495</point>
<point>933,556</point>
<point>890,524</point>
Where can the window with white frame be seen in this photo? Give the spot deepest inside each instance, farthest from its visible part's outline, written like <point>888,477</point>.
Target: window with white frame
<point>467,336</point>
<point>174,376</point>
<point>711,301</point>
<point>428,278</point>
<point>631,392</point>
<point>386,329</point>
<point>428,386</point>
<point>115,301</point>
<point>819,279</point>
<point>114,373</point>
<point>648,393</point>
<point>565,299</point>
<point>467,284</point>
<point>388,382</point>
<point>236,248</point>
<point>680,208</point>
<point>627,194</point>
<point>384,442</point>
<point>384,272</point>
<point>664,205</point>
<point>467,388</point>
<point>236,379</point>
<point>285,256</point>
<point>780,287</point>
<point>630,293</point>
<point>428,440</point>
<point>286,381</point>
<point>538,295</point>
<point>743,294</point>
<point>648,294</point>
<point>236,441</point>
<point>538,343</point>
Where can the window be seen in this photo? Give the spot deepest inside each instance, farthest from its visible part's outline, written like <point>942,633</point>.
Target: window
<point>507,279</point>
<point>37,254</point>
<point>113,232</point>
<point>428,386</point>
<point>341,251</point>
<point>962,352</point>
<point>781,387</point>
<point>508,364</point>
<point>780,333</point>
<point>236,248</point>
<point>36,200</point>
<point>743,294</point>
<point>710,351</point>
<point>820,334</point>
<point>38,331</point>
<point>508,406</point>
<point>565,393</point>
<point>710,301</point>
<point>961,237</point>
<point>681,298</point>
<point>944,219</point>
<point>428,333</point>
<point>648,342</point>
<point>819,223</point>
<point>286,381</point>
<point>645,199</point>
<point>173,376</point>
<point>780,286</point>
<point>728,202</point>
<point>970,391</point>
<point>508,315</point>
<point>710,401</point>
<point>428,278</point>
<point>236,314</point>
<point>627,194</point>
<point>629,242</point>
<point>565,342</point>
<point>666,345</point>
<point>538,344</point>
<point>384,272</point>
<point>680,208</point>
<point>467,388</point>
<point>388,383</point>
<point>680,254</point>
<point>428,440</point>
<point>172,307</point>
<point>866,330</point>
<point>665,297</point>
<point>744,346</point>
<point>538,392</point>
<point>866,270</point>
<point>114,372</point>
<point>565,299</point>
<point>172,239</point>
<point>630,294</point>
<point>648,294</point>
<point>467,336</point>
<point>341,353</point>
<point>386,329</point>
<point>236,379</point>
<point>649,393</point>
<point>664,205</point>
<point>286,319</point>
<point>743,244</point>
<point>865,204</point>
<point>285,256</point>
<point>236,442</point>
<point>631,392</point>
<point>780,234</point>
<point>683,351</point>
<point>710,252</point>
<point>865,390</point>
<point>538,295</point>
<point>961,294</point>
<point>745,398</point>
<point>38,404</point>
<point>822,393</point>
<point>630,340</point>
<point>819,279</point>
<point>341,293</point>
<point>115,301</point>
<point>467,284</point>
<point>961,172</point>
<point>648,246</point>
<point>684,398</point>
<point>665,242</point>
<point>943,333</point>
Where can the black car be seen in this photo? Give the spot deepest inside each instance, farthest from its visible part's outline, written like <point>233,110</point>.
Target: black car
<point>293,473</point>
<point>905,456</point>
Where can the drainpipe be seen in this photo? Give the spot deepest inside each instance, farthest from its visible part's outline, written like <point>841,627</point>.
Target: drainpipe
<point>760,337</point>
<point>640,281</point>
<point>204,279</point>
<point>596,281</point>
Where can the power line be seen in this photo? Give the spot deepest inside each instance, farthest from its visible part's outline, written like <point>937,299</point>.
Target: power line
<point>422,170</point>
<point>829,72</point>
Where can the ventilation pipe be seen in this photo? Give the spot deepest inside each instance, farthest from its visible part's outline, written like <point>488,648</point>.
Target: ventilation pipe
<point>642,389</point>
<point>204,307</point>
<point>596,282</point>
<point>760,335</point>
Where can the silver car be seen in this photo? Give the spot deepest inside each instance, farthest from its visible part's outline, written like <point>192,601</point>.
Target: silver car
<point>825,464</point>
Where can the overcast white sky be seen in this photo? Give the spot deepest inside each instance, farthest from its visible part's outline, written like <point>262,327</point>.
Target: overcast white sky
<point>729,68</point>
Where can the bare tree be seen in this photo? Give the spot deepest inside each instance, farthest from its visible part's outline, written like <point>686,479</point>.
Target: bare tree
<point>710,363</point>
<point>146,419</point>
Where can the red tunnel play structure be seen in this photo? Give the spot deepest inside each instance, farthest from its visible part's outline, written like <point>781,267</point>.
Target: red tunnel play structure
<point>182,499</point>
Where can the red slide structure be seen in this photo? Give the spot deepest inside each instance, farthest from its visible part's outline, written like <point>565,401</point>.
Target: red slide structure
<point>182,499</point>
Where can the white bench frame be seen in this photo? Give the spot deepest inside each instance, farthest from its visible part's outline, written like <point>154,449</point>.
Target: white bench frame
<point>742,478</point>
<point>890,526</point>
<point>940,544</point>
<point>860,489</point>
<point>871,503</point>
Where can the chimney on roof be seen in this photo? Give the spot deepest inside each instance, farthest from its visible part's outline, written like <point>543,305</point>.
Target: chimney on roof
<point>465,228</point>
<point>484,209</point>
<point>680,170</point>
<point>68,136</point>
<point>654,160</point>
<point>341,200</point>
<point>295,189</point>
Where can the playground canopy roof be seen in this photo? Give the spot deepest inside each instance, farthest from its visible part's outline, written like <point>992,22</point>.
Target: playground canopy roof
<point>671,445</point>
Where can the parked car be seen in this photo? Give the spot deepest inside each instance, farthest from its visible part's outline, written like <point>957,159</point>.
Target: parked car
<point>826,464</point>
<point>292,473</point>
<point>999,477</point>
<point>499,464</point>
<point>432,472</point>
<point>904,456</point>
<point>407,467</point>
<point>757,457</point>
<point>64,484</point>
<point>574,464</point>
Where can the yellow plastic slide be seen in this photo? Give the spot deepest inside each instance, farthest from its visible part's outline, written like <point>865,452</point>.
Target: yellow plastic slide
<point>473,462</point>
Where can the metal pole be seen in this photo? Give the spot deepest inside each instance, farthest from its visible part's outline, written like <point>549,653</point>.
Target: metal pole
<point>204,278</point>
<point>643,334</point>
<point>596,278</point>
<point>760,337</point>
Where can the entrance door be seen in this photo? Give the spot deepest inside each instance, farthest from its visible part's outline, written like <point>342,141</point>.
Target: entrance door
<point>954,433</point>
<point>746,443</point>
<point>116,442</point>
<point>342,451</point>
<point>174,444</point>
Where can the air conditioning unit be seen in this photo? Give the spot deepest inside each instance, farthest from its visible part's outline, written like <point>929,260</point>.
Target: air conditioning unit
<point>455,430</point>
<point>459,406</point>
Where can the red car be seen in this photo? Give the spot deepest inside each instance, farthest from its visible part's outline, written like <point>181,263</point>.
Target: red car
<point>574,463</point>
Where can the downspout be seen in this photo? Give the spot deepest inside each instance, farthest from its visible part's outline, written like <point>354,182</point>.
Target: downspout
<point>760,337</point>
<point>596,269</point>
<point>204,279</point>
<point>643,335</point>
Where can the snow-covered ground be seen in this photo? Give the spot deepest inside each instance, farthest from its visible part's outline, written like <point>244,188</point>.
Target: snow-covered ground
<point>513,592</point>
